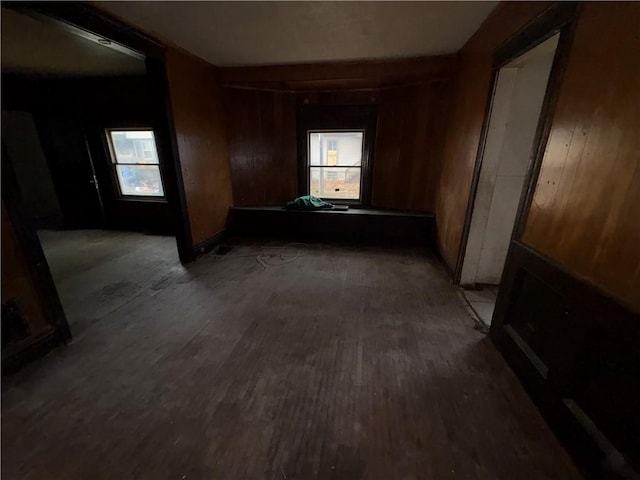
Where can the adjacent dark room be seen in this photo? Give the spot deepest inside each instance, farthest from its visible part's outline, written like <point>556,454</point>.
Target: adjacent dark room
<point>296,240</point>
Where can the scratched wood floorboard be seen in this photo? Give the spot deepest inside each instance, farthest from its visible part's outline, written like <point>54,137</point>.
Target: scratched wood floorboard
<point>344,363</point>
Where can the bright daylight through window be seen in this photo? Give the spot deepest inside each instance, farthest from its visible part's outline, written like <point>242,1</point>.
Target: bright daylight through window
<point>135,159</point>
<point>335,164</point>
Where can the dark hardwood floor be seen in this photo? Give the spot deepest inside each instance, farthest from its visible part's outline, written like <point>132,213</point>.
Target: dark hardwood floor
<point>97,271</point>
<point>312,361</point>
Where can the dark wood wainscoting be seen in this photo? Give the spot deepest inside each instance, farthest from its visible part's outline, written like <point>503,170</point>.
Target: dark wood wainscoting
<point>578,353</point>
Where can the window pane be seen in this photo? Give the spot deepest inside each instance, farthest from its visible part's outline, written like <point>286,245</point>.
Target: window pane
<point>342,149</point>
<point>140,180</point>
<point>135,146</point>
<point>335,182</point>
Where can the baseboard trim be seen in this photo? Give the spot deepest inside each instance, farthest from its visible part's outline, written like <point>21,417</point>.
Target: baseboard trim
<point>37,348</point>
<point>451,271</point>
<point>205,246</point>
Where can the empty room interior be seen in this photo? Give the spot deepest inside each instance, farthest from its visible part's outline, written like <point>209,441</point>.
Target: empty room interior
<point>332,240</point>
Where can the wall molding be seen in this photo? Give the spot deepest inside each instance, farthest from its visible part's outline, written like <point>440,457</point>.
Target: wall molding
<point>205,246</point>
<point>376,72</point>
<point>28,350</point>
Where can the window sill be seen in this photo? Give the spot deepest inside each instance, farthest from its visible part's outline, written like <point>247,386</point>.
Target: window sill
<point>356,210</point>
<point>142,199</point>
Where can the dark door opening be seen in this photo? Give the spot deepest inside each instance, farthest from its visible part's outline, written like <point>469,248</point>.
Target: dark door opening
<point>72,172</point>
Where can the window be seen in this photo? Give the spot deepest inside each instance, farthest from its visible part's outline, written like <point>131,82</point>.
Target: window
<point>335,152</point>
<point>135,161</point>
<point>335,164</point>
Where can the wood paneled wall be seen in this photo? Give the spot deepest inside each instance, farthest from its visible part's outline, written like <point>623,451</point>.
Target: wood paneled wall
<point>585,212</point>
<point>202,143</point>
<point>261,117</point>
<point>467,109</point>
<point>409,146</point>
<point>262,146</point>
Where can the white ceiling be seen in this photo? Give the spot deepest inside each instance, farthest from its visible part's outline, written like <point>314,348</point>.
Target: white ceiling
<point>33,46</point>
<point>266,33</point>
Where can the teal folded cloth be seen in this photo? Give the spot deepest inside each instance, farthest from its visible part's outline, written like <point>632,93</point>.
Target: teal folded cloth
<point>308,202</point>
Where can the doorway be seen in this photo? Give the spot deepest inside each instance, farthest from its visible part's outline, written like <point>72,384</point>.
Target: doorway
<point>516,106</point>
<point>90,227</point>
<point>53,166</point>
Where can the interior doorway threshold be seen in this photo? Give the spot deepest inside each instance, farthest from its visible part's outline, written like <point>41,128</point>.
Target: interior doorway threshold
<point>481,302</point>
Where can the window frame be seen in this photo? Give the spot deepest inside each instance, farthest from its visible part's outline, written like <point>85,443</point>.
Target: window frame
<point>336,118</point>
<point>113,163</point>
<point>359,167</point>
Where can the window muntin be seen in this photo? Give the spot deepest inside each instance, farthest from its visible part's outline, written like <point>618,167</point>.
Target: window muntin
<point>135,160</point>
<point>335,164</point>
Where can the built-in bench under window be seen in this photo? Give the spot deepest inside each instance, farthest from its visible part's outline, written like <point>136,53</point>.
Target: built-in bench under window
<point>354,224</point>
